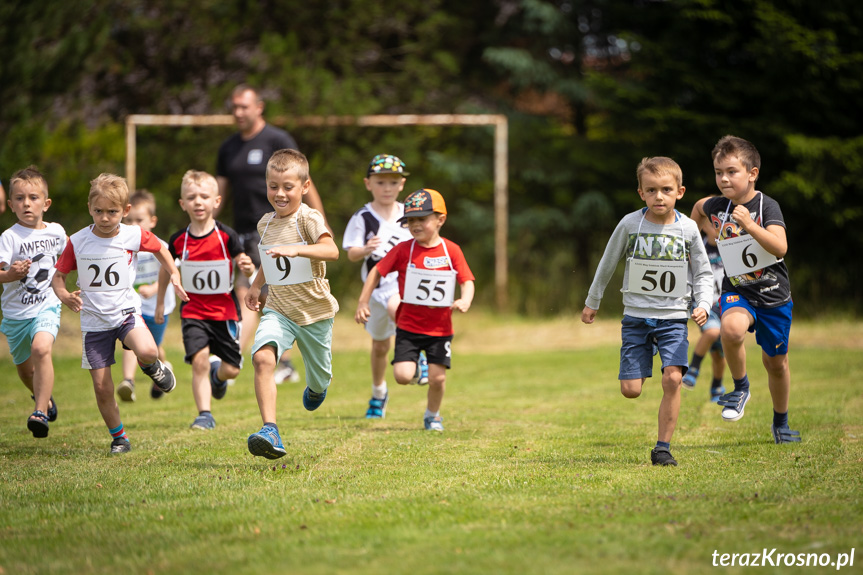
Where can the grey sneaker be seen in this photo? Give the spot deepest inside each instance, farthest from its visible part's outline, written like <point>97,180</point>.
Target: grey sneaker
<point>161,375</point>
<point>218,387</point>
<point>285,372</point>
<point>204,421</point>
<point>120,445</point>
<point>784,434</point>
<point>126,390</point>
<point>433,423</point>
<point>661,456</point>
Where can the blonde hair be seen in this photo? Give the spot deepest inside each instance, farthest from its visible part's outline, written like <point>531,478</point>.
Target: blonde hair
<point>199,179</point>
<point>287,159</point>
<point>111,187</point>
<point>144,197</point>
<point>659,166</point>
<point>30,175</point>
<point>744,150</point>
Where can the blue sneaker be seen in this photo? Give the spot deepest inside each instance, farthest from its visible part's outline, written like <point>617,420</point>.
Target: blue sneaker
<point>716,393</point>
<point>218,387</point>
<point>433,423</point>
<point>267,443</point>
<point>733,403</point>
<point>313,400</point>
<point>690,378</point>
<point>784,434</point>
<point>423,367</point>
<point>377,407</point>
<point>205,421</point>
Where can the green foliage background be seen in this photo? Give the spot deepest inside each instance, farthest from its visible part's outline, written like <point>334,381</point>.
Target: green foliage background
<point>589,87</point>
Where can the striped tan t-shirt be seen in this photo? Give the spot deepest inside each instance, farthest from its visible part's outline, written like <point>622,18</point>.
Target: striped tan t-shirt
<point>308,302</point>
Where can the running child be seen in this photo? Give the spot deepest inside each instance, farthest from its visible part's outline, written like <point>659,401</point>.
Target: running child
<point>429,267</point>
<point>105,255</point>
<point>31,311</point>
<point>667,271</point>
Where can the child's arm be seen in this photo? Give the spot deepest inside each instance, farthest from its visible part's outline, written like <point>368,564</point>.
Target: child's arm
<point>607,265</point>
<point>15,272</point>
<point>363,311</point>
<point>356,254</point>
<point>701,275</point>
<point>772,239</point>
<point>73,299</point>
<point>254,292</point>
<point>325,250</point>
<point>462,304</point>
<point>245,264</point>
<point>164,257</point>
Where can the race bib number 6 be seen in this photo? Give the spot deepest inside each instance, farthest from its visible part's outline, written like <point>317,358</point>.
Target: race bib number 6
<point>103,273</point>
<point>743,255</point>
<point>431,288</point>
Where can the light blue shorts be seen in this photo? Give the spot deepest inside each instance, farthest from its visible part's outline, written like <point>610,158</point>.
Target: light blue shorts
<point>20,332</point>
<point>315,341</point>
<point>713,319</point>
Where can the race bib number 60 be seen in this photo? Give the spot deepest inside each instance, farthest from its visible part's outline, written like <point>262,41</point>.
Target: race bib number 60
<point>432,288</point>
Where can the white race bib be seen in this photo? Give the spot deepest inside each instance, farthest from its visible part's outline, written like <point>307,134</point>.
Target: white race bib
<point>390,237</point>
<point>206,277</point>
<point>282,270</point>
<point>101,272</point>
<point>664,278</point>
<point>431,288</point>
<point>743,255</point>
<point>147,272</point>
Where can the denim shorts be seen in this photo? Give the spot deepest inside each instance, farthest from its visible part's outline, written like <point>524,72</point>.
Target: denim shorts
<point>639,336</point>
<point>772,325</point>
<point>20,332</point>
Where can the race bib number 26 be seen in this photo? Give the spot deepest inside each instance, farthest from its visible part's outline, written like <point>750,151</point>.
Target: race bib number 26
<point>103,273</point>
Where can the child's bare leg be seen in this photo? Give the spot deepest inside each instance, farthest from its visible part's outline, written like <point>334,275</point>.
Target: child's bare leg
<point>669,407</point>
<point>103,385</point>
<point>141,341</point>
<point>201,390</point>
<point>43,369</point>
<point>437,386</point>
<point>735,324</point>
<point>778,380</point>
<point>264,362</point>
<point>631,388</point>
<point>130,364</point>
<point>226,371</point>
<point>393,305</point>
<point>404,371</point>
<point>380,351</point>
<point>26,372</point>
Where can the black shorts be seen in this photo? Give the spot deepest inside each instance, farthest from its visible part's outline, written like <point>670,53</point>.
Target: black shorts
<point>222,337</point>
<point>408,346</point>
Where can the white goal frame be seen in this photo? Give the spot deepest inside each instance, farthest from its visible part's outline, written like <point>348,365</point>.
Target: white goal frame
<point>501,153</point>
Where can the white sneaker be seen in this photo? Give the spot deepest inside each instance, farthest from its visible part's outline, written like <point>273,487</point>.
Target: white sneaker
<point>286,372</point>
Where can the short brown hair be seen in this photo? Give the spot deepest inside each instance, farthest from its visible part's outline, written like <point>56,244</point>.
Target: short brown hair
<point>30,175</point>
<point>111,187</point>
<point>144,197</point>
<point>243,88</point>
<point>200,179</point>
<point>288,159</point>
<point>659,166</point>
<point>744,150</point>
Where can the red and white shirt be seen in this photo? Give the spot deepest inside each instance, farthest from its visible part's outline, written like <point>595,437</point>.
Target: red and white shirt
<point>106,309</point>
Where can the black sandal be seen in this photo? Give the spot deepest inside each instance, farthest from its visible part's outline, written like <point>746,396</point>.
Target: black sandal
<point>38,424</point>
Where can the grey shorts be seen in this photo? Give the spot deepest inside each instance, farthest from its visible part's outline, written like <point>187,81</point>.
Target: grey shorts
<point>639,336</point>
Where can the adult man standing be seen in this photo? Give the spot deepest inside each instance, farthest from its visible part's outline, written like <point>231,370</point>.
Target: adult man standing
<point>241,171</point>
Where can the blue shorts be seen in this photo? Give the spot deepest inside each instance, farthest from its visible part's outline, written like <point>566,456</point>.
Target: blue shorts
<point>315,341</point>
<point>714,320</point>
<point>157,329</point>
<point>772,325</point>
<point>639,336</point>
<point>20,332</point>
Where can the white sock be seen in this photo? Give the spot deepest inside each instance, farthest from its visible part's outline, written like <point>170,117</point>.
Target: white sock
<point>379,391</point>
<point>431,414</point>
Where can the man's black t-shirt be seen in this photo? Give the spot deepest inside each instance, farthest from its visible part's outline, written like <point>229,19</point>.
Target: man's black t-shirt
<point>244,164</point>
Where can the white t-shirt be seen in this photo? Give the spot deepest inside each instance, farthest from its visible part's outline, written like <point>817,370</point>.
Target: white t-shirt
<point>364,225</point>
<point>147,273</point>
<point>27,297</point>
<point>104,310</point>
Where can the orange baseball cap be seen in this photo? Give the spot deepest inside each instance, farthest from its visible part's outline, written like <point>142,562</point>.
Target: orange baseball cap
<point>423,202</point>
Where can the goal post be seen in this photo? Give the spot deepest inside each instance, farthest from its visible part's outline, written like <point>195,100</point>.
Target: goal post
<point>501,153</point>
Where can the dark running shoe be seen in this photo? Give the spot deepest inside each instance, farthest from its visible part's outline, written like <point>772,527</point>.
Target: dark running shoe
<point>266,443</point>
<point>784,434</point>
<point>161,375</point>
<point>733,403</point>
<point>661,456</point>
<point>218,387</point>
<point>313,400</point>
<point>37,423</point>
<point>120,445</point>
<point>205,421</point>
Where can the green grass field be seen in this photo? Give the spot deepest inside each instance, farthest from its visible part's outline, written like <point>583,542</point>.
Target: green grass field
<point>543,468</point>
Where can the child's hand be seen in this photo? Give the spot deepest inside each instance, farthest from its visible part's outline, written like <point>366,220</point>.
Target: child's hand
<point>178,286</point>
<point>371,245</point>
<point>699,316</point>
<point>743,218</point>
<point>246,265</point>
<point>588,315</point>
<point>461,305</point>
<point>252,298</point>
<point>147,291</point>
<point>159,315</point>
<point>287,251</point>
<point>363,313</point>
<point>72,300</point>
<point>19,269</point>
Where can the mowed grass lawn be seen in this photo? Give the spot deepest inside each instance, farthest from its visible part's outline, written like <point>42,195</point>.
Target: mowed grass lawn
<point>543,468</point>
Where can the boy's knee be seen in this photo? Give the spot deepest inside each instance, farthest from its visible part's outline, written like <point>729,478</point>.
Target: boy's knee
<point>671,379</point>
<point>264,357</point>
<point>230,371</point>
<point>380,346</point>
<point>630,388</point>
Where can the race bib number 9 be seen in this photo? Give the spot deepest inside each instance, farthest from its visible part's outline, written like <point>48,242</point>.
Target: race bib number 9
<point>431,288</point>
<point>99,272</point>
<point>206,277</point>
<point>657,277</point>
<point>283,271</point>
